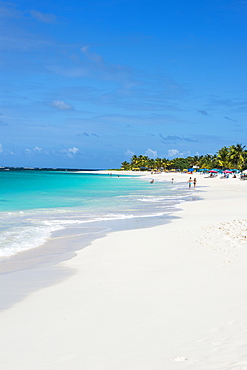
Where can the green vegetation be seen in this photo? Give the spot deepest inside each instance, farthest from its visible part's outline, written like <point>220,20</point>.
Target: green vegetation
<point>232,157</point>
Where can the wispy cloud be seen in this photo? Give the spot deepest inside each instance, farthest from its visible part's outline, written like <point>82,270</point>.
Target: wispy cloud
<point>86,134</point>
<point>175,153</point>
<point>230,119</point>
<point>174,138</point>
<point>204,112</point>
<point>129,153</point>
<point>73,150</point>
<point>70,152</point>
<point>36,150</point>
<point>28,152</point>
<point>151,153</point>
<point>90,55</point>
<point>15,33</point>
<point>141,119</point>
<point>235,103</point>
<point>61,105</point>
<point>100,68</point>
<point>82,62</point>
<point>7,10</point>
<point>43,17</point>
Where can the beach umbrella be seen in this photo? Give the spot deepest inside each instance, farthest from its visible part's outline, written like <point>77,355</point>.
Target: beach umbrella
<point>227,171</point>
<point>213,171</point>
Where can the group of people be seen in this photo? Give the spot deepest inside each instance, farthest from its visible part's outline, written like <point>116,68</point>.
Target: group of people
<point>190,182</point>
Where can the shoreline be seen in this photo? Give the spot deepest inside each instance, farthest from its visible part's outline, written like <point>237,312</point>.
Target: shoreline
<point>61,246</point>
<point>49,249</point>
<point>162,297</point>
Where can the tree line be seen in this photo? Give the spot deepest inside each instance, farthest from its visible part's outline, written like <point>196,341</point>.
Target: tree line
<point>231,157</point>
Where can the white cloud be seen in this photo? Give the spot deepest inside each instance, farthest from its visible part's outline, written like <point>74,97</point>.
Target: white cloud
<point>151,153</point>
<point>61,105</point>
<point>28,151</point>
<point>173,153</point>
<point>185,154</point>
<point>129,153</point>
<point>70,152</point>
<point>32,151</point>
<point>73,150</point>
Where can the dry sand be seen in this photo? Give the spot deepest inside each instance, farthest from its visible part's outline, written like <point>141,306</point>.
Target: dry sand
<point>164,298</point>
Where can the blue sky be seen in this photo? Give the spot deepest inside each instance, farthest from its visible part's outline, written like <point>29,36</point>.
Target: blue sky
<point>87,84</point>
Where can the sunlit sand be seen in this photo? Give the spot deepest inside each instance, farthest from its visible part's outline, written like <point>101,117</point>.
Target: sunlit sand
<point>168,297</point>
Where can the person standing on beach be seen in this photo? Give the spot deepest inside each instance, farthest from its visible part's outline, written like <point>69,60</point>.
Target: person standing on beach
<point>190,182</point>
<point>194,181</point>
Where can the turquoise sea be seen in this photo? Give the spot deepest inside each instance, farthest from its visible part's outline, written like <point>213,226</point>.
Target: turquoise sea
<point>34,205</point>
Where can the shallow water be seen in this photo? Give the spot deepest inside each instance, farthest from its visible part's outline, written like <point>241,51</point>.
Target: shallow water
<point>38,205</point>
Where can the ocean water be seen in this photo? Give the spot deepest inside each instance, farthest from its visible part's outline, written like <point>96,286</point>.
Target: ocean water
<point>38,205</point>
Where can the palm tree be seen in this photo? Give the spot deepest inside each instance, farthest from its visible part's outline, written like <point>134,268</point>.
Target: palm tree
<point>158,163</point>
<point>134,161</point>
<point>143,160</point>
<point>170,163</point>
<point>234,156</point>
<point>195,161</point>
<point>125,166</point>
<point>223,157</point>
<point>237,156</point>
<point>208,161</point>
<point>164,162</point>
<point>151,163</point>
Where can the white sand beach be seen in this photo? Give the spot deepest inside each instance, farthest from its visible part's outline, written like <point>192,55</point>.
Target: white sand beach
<point>163,298</point>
